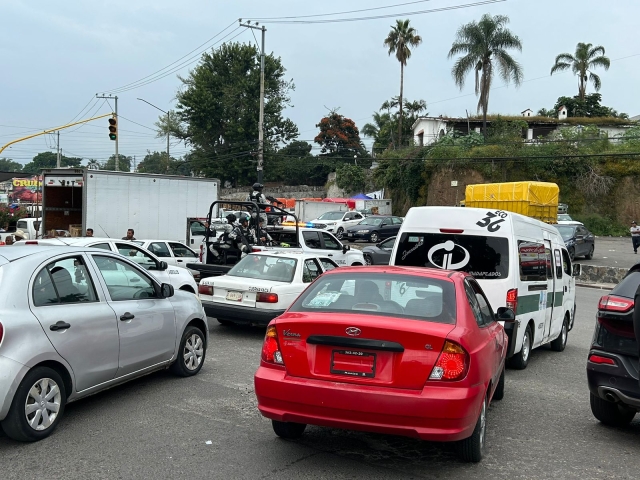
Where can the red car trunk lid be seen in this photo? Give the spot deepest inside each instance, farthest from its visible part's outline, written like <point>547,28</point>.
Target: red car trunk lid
<point>353,348</point>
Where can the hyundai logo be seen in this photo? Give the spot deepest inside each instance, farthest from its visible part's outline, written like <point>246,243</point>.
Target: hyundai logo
<point>353,331</point>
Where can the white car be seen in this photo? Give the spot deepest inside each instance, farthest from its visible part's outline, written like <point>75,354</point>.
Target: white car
<point>565,219</point>
<point>174,253</point>
<point>180,278</point>
<point>338,222</point>
<point>261,286</point>
<point>316,242</point>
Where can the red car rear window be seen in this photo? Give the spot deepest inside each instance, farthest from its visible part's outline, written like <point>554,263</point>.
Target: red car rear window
<point>403,296</point>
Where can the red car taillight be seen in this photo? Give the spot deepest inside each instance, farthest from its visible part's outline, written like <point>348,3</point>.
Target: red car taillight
<point>267,297</point>
<point>611,303</point>
<point>512,299</point>
<point>452,364</point>
<point>271,349</point>
<point>602,360</point>
<point>205,290</point>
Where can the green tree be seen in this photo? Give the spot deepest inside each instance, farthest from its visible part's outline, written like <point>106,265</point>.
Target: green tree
<point>294,164</point>
<point>156,162</point>
<point>124,163</point>
<point>590,106</point>
<point>543,112</point>
<point>218,110</point>
<point>48,160</point>
<point>350,178</point>
<point>399,40</point>
<point>483,45</point>
<point>93,163</point>
<point>585,58</point>
<point>8,165</point>
<point>385,123</point>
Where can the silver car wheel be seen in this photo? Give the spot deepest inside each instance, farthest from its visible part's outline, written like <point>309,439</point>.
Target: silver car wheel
<point>193,352</point>
<point>43,404</point>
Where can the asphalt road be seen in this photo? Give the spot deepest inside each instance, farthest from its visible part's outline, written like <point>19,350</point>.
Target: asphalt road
<point>159,427</point>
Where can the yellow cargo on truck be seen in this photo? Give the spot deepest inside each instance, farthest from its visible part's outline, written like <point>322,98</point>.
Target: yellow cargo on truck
<point>538,200</point>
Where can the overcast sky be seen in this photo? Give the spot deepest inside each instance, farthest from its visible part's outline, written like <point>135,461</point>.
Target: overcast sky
<point>57,55</point>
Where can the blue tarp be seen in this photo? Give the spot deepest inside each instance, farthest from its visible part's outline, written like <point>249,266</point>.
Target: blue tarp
<point>361,196</point>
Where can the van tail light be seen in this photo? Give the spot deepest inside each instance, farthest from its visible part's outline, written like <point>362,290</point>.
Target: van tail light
<point>512,299</point>
<point>1,332</point>
<point>451,230</point>
<point>452,364</point>
<point>270,348</point>
<point>201,255</point>
<point>602,360</point>
<point>256,249</point>
<point>205,290</point>
<point>265,297</point>
<point>31,242</point>
<point>611,303</point>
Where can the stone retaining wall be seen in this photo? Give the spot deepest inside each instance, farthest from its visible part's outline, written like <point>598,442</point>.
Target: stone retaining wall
<point>595,274</point>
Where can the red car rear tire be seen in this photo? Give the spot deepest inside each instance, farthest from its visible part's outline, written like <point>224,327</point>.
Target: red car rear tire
<point>472,448</point>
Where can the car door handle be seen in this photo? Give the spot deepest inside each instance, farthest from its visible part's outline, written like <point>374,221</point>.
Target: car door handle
<point>565,288</point>
<point>127,316</point>
<point>330,255</point>
<point>59,326</point>
<point>179,261</point>
<point>134,279</point>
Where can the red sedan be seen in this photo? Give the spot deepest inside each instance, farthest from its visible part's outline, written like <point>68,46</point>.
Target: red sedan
<point>405,351</point>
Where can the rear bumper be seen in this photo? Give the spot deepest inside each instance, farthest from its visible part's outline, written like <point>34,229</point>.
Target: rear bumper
<point>435,413</point>
<point>618,382</point>
<point>240,315</point>
<point>11,374</point>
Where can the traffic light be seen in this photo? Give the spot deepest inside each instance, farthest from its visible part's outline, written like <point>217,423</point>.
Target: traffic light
<point>113,128</point>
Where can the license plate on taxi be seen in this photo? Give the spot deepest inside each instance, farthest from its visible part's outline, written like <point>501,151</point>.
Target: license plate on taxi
<point>234,296</point>
<point>353,363</point>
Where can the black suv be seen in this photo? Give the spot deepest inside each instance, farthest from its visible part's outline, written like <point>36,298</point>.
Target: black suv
<point>612,366</point>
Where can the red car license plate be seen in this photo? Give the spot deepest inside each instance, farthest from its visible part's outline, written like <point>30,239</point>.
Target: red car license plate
<point>353,363</point>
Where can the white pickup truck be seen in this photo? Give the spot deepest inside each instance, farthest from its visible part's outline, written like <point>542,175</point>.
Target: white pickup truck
<point>310,240</point>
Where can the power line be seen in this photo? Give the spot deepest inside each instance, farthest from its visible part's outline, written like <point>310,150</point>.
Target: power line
<point>341,13</point>
<point>377,17</point>
<point>154,78</point>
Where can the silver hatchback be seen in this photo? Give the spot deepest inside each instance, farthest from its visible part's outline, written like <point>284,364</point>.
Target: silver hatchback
<point>74,321</point>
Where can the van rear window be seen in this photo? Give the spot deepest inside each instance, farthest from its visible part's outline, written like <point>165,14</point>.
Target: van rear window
<point>485,258</point>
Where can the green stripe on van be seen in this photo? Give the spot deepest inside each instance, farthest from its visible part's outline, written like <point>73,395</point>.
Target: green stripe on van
<point>531,303</point>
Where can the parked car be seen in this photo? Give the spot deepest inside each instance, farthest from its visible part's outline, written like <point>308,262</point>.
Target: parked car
<point>174,253</point>
<point>374,228</point>
<point>580,242</point>
<point>73,325</point>
<point>405,351</point>
<point>380,253</point>
<point>338,222</point>
<point>565,219</point>
<point>261,286</point>
<point>612,366</point>
<point>180,278</point>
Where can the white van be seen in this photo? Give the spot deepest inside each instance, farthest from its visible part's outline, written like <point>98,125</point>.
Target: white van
<point>521,263</point>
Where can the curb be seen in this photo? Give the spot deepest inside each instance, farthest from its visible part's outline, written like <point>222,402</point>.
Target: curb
<point>599,286</point>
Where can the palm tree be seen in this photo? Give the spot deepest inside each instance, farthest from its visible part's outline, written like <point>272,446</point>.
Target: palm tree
<point>400,38</point>
<point>482,45</point>
<point>581,62</point>
<point>381,124</point>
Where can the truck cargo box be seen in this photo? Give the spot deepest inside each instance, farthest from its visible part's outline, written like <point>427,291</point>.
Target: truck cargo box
<point>534,199</point>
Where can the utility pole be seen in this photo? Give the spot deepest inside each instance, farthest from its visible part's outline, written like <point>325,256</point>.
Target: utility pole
<point>149,103</point>
<point>58,161</point>
<point>117,120</point>
<point>261,119</point>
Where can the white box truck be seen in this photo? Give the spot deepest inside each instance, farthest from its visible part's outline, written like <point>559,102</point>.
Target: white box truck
<point>163,207</point>
<point>384,206</point>
<point>307,210</point>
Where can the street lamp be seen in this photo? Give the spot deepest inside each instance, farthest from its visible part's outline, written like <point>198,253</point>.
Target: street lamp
<point>168,157</point>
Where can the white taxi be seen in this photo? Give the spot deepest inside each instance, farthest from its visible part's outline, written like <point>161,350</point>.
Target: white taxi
<point>261,286</point>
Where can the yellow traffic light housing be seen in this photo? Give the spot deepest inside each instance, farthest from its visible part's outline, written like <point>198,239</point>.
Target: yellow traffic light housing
<point>113,128</point>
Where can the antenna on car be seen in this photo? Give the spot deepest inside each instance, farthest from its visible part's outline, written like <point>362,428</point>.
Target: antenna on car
<point>104,231</point>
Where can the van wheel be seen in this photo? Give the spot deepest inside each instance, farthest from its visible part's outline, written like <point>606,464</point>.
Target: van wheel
<point>498,394</point>
<point>559,343</point>
<point>521,359</point>
<point>589,256</point>
<point>472,448</point>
